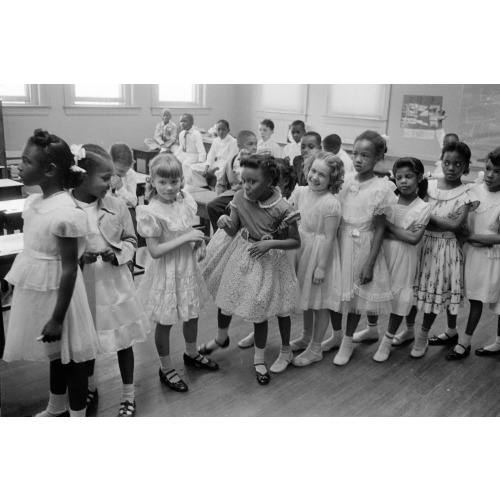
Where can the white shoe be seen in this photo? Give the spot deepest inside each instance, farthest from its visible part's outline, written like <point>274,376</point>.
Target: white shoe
<point>331,343</point>
<point>247,341</point>
<point>365,335</point>
<point>300,344</point>
<point>284,359</point>
<point>307,358</point>
<point>418,352</point>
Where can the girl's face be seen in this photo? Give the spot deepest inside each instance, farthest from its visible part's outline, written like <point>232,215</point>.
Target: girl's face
<point>98,180</point>
<point>255,184</point>
<point>453,166</point>
<point>407,181</point>
<point>318,177</point>
<point>31,170</point>
<point>265,132</point>
<point>492,177</point>
<point>167,188</point>
<point>222,130</point>
<point>308,146</point>
<point>364,156</point>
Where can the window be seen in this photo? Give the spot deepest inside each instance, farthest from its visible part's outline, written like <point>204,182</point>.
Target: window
<point>187,95</point>
<point>19,94</point>
<point>285,98</point>
<point>99,99</point>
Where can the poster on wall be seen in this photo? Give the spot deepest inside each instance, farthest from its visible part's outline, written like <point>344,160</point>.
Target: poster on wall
<point>419,116</point>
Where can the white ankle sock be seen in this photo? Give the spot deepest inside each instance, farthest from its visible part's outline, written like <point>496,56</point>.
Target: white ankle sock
<point>420,344</point>
<point>191,349</point>
<point>493,347</point>
<point>166,364</point>
<point>384,349</point>
<point>77,413</point>
<point>56,406</point>
<point>302,342</point>
<point>410,328</point>
<point>345,352</point>
<point>332,342</point>
<point>128,392</point>
<point>91,383</point>
<point>259,357</point>
<point>312,354</point>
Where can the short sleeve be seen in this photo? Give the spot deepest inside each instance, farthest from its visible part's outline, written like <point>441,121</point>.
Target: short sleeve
<point>383,199</point>
<point>236,200</point>
<point>424,216</point>
<point>147,224</point>
<point>332,207</point>
<point>471,200</point>
<point>70,223</point>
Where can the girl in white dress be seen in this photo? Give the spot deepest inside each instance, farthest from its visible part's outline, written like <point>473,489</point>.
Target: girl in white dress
<point>318,269</point>
<point>482,259</point>
<point>172,287</point>
<point>50,318</point>
<point>365,201</point>
<point>119,317</point>
<point>405,227</point>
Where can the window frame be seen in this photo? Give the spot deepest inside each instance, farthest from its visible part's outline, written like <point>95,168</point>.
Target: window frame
<point>198,106</point>
<point>36,104</point>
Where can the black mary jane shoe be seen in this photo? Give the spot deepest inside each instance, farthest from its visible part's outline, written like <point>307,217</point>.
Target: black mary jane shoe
<point>166,379</point>
<point>455,356</point>
<point>447,341</point>
<point>204,349</point>
<point>485,353</point>
<point>262,378</point>
<point>211,366</point>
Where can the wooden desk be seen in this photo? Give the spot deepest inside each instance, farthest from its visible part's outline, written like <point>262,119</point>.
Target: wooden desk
<point>11,215</point>
<point>144,154</point>
<point>10,246</point>
<point>202,197</point>
<point>10,190</point>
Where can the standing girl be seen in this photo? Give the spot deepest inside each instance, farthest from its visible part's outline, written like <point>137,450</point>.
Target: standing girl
<point>318,269</point>
<point>439,285</point>
<point>119,318</point>
<point>482,259</point>
<point>252,277</point>
<point>172,287</point>
<point>50,317</point>
<point>365,200</point>
<point>405,227</point>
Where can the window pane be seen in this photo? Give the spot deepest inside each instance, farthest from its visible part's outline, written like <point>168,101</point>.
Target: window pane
<point>98,91</point>
<point>282,97</point>
<point>176,93</point>
<point>15,93</point>
<point>356,100</point>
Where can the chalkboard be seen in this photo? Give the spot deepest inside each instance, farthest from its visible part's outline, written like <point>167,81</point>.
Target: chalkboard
<point>479,124</point>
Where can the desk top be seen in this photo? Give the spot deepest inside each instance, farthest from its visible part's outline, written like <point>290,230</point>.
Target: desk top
<point>203,195</point>
<point>11,244</point>
<point>12,206</point>
<point>9,183</point>
<point>141,178</point>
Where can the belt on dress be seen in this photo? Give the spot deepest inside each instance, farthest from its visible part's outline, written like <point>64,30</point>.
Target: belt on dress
<point>39,255</point>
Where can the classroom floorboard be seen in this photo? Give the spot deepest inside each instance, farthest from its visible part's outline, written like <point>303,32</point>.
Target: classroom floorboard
<point>403,386</point>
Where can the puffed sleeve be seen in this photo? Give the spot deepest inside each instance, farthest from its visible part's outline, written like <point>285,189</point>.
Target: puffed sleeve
<point>70,223</point>
<point>147,224</point>
<point>470,199</point>
<point>294,197</point>
<point>383,199</point>
<point>420,216</point>
<point>332,207</point>
<point>236,200</point>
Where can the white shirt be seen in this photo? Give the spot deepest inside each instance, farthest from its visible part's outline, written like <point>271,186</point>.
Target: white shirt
<point>269,145</point>
<point>348,164</point>
<point>128,192</point>
<point>191,142</point>
<point>222,150</point>
<point>291,150</point>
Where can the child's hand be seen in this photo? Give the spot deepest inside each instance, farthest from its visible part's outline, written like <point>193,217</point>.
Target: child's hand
<point>211,171</point>
<point>107,255</point>
<point>441,115</point>
<point>224,222</point>
<point>194,236</point>
<point>366,274</point>
<point>201,251</point>
<point>89,257</point>
<point>116,182</point>
<point>51,332</point>
<point>318,276</point>
<point>258,249</point>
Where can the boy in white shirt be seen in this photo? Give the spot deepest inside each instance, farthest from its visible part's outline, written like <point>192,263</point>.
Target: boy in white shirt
<point>165,138</point>
<point>124,180</point>
<point>191,149</point>
<point>333,144</point>
<point>266,130</point>
<point>297,130</point>
<point>223,148</point>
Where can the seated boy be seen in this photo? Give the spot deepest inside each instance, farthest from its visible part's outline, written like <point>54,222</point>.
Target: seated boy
<point>229,181</point>
<point>124,180</point>
<point>333,144</point>
<point>224,147</point>
<point>310,145</point>
<point>165,138</point>
<point>290,151</point>
<point>266,130</point>
<point>191,149</point>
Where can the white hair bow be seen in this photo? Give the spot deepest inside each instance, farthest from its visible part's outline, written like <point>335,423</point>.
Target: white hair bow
<point>78,152</point>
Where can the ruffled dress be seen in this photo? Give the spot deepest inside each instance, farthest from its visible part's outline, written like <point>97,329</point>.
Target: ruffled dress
<point>440,281</point>
<point>36,275</point>
<point>360,202</point>
<point>253,289</point>
<point>172,287</point>
<point>482,264</point>
<point>314,208</point>
<point>119,318</point>
<point>402,258</point>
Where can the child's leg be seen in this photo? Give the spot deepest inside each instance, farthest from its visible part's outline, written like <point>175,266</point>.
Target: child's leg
<point>422,337</point>
<point>303,341</point>
<point>384,349</point>
<point>345,351</point>
<point>408,333</point>
<point>491,349</point>
<point>92,393</point>
<point>285,355</point>
<point>370,333</point>
<point>126,364</point>
<point>58,387</point>
<point>192,357</point>
<point>313,352</point>
<point>76,374</point>
<point>222,339</point>
<point>462,349</point>
<point>450,336</point>
<point>337,336</point>
<point>262,374</point>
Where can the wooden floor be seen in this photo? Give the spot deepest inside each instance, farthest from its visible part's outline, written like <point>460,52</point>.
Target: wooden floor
<point>402,386</point>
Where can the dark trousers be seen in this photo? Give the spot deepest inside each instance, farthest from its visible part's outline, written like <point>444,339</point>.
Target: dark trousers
<point>217,207</point>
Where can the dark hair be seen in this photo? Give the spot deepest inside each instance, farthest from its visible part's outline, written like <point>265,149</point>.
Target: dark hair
<point>287,177</point>
<point>462,149</point>
<point>55,150</point>
<point>299,123</point>
<point>494,157</point>
<point>225,122</point>
<point>268,123</point>
<point>332,143</point>
<point>315,135</point>
<point>94,156</point>
<point>121,153</point>
<point>242,136</point>
<point>189,115</point>
<point>418,169</point>
<point>451,135</point>
<point>266,163</point>
<point>376,139</point>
